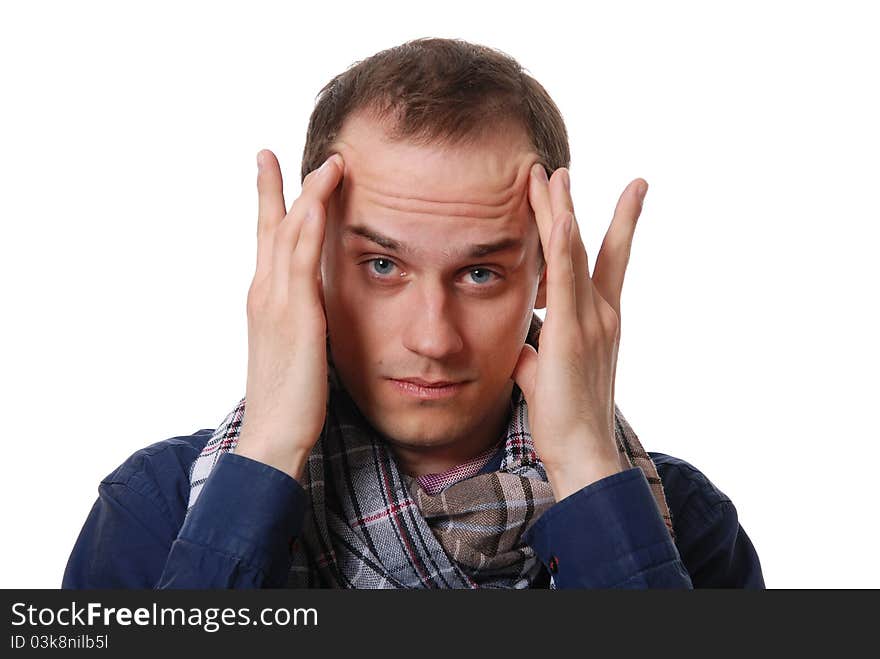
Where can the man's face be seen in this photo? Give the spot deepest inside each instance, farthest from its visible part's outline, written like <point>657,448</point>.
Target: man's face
<point>408,295</point>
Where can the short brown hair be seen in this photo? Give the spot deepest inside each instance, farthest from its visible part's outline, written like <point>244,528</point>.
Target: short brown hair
<point>439,91</point>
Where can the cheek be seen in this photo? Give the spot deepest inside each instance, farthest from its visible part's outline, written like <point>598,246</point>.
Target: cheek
<point>338,277</point>
<point>346,286</point>
<point>495,332</point>
<point>359,320</point>
<point>501,329</point>
<point>497,329</point>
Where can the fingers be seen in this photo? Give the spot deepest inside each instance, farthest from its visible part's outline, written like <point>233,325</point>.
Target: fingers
<point>305,263</point>
<point>561,287</point>
<point>550,199</point>
<point>294,255</point>
<point>526,371</point>
<point>560,191</point>
<point>270,192</point>
<point>614,253</point>
<point>583,283</point>
<point>320,183</point>
<point>561,201</point>
<point>539,199</point>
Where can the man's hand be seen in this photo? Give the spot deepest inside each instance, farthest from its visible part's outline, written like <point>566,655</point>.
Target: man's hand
<point>286,398</point>
<point>569,384</point>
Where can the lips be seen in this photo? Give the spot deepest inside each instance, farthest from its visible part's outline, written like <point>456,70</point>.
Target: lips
<point>428,383</point>
<point>425,390</point>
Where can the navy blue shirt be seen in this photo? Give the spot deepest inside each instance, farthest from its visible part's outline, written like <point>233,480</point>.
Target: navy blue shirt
<point>610,534</point>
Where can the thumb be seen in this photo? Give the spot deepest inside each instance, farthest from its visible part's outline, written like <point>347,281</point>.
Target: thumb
<point>525,371</point>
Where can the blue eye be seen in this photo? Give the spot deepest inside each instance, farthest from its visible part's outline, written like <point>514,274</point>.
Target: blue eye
<point>485,275</point>
<point>381,261</point>
<point>382,268</point>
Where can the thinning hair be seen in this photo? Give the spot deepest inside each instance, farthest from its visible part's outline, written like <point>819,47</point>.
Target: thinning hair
<point>439,91</point>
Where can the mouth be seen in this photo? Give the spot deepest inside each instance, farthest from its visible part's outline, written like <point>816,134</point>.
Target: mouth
<point>424,390</point>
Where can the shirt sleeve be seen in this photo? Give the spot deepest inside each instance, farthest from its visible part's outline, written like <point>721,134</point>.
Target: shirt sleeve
<point>237,535</point>
<point>240,531</point>
<point>610,534</point>
<point>718,553</point>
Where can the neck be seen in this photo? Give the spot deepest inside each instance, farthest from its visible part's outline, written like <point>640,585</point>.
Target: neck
<point>418,461</point>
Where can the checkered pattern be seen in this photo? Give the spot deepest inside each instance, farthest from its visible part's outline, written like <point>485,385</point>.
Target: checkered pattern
<point>435,483</point>
<point>369,525</point>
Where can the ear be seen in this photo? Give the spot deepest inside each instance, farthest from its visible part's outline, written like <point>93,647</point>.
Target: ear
<point>541,297</point>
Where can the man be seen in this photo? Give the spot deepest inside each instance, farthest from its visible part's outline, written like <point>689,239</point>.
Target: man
<point>408,419</point>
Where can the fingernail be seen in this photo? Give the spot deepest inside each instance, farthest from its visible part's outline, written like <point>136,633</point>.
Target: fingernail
<point>259,160</point>
<point>566,179</point>
<point>324,168</point>
<point>539,172</point>
<point>641,191</point>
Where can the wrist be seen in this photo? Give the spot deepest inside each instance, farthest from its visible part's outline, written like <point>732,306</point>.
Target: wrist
<point>291,462</point>
<point>577,473</point>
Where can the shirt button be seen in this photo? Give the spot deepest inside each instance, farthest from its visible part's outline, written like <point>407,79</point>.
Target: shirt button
<point>553,564</point>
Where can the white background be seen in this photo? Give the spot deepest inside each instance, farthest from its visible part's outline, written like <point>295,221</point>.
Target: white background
<point>128,206</point>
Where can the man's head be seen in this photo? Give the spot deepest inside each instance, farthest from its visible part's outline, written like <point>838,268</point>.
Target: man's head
<point>438,138</point>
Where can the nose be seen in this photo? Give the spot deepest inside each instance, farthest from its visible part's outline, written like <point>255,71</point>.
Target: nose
<point>431,329</point>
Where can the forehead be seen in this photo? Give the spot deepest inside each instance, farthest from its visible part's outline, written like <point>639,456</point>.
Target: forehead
<point>486,179</point>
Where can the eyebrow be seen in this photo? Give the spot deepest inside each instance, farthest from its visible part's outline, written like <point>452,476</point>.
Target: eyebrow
<point>471,251</point>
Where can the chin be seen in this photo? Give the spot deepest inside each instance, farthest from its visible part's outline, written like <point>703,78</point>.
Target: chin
<point>427,432</point>
<point>415,442</point>
<point>428,424</point>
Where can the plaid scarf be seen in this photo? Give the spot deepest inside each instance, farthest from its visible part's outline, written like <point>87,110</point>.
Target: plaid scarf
<point>435,483</point>
<point>369,525</point>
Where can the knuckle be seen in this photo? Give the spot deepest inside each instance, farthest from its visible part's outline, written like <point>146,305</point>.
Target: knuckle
<point>256,298</point>
<point>312,206</point>
<point>609,321</point>
<point>304,205</point>
<point>609,315</point>
<point>296,205</point>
